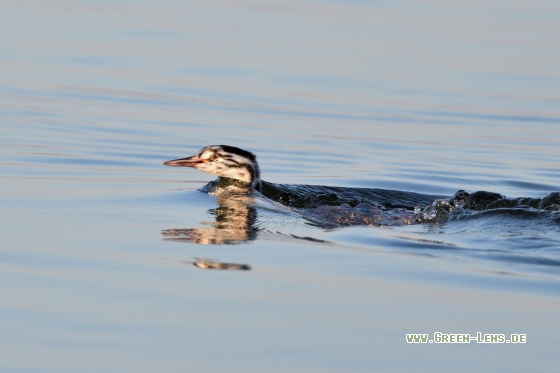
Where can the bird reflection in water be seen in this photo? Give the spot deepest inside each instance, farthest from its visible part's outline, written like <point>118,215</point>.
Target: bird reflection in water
<point>213,264</point>
<point>235,219</point>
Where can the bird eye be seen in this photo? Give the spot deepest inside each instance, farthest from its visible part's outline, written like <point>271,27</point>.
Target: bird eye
<point>214,156</point>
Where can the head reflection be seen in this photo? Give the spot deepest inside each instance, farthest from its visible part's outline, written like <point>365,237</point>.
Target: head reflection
<point>214,264</point>
<point>234,223</point>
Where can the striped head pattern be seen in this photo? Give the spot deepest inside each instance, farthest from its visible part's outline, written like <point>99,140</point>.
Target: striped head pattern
<point>224,161</point>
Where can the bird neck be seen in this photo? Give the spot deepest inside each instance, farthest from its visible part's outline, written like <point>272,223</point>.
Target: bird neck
<point>255,174</point>
<point>256,184</point>
<point>228,185</point>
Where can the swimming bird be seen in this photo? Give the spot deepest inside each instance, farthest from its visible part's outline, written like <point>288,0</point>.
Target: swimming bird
<point>224,161</point>
<point>239,176</point>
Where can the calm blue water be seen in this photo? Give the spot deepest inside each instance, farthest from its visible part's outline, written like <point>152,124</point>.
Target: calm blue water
<point>410,102</point>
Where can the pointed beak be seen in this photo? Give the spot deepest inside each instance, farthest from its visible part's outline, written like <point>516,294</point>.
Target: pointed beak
<point>185,162</point>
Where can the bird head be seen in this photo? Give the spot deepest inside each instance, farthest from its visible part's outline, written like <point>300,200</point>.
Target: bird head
<point>224,161</point>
